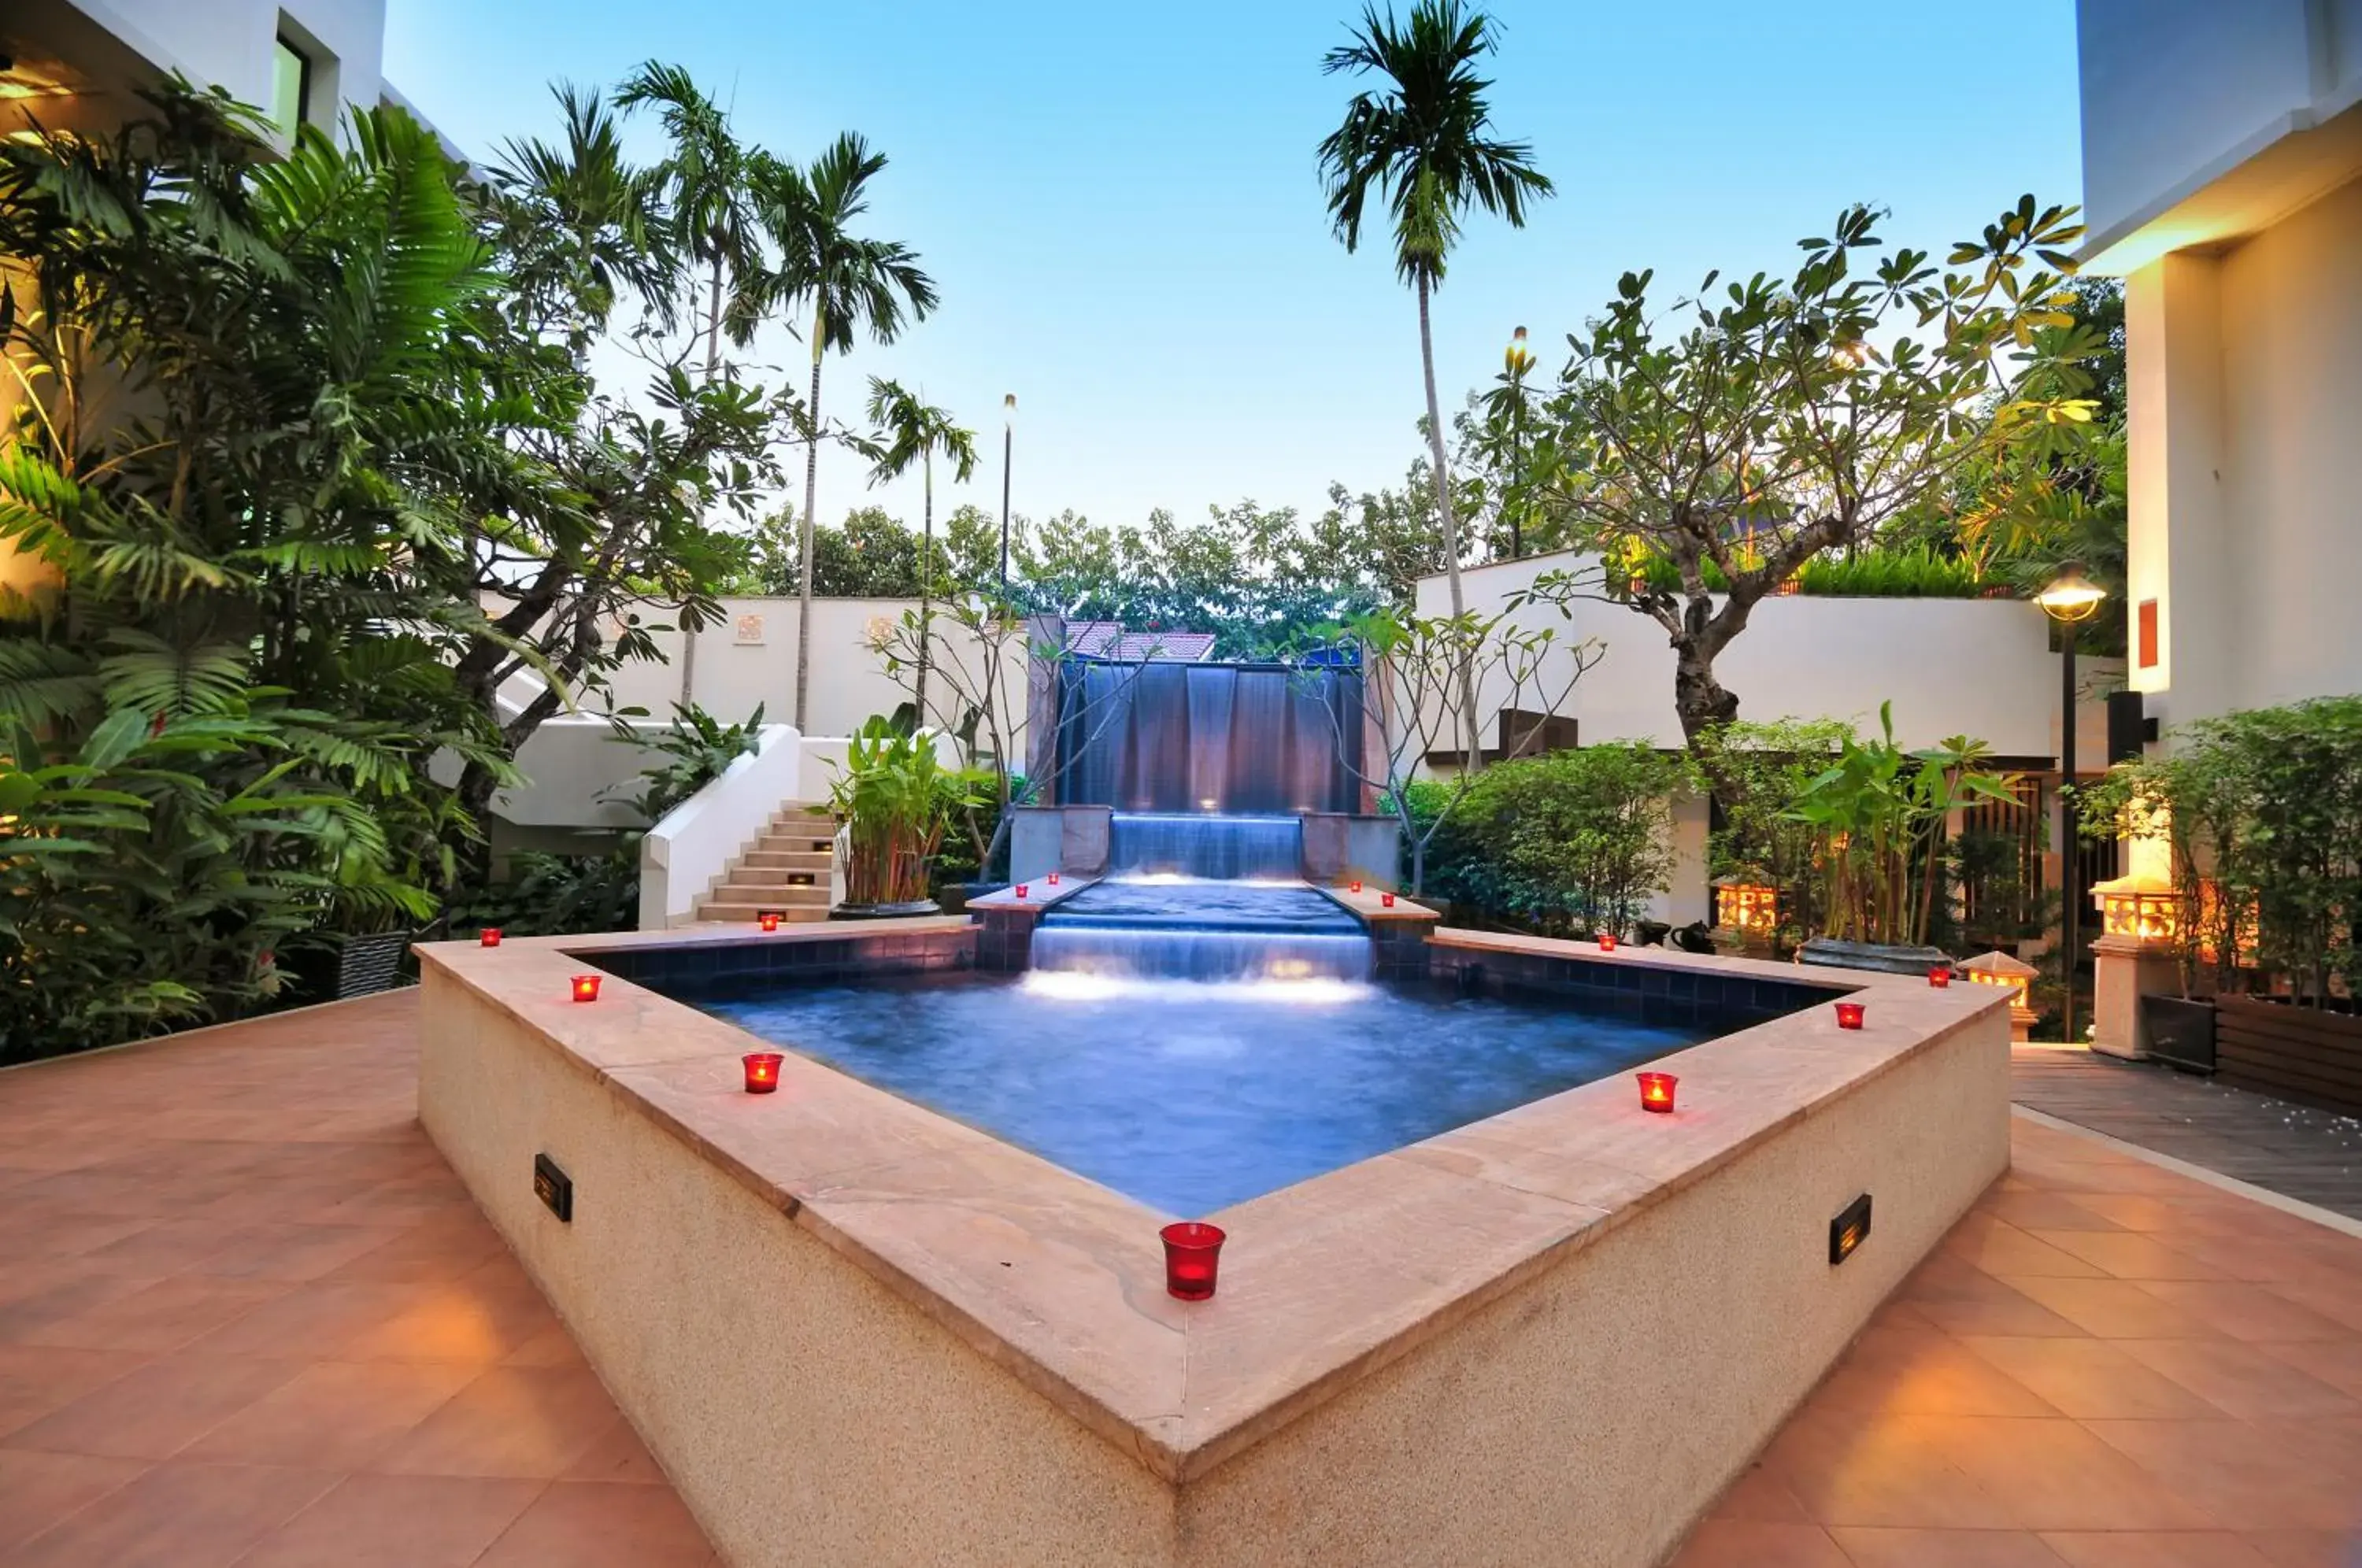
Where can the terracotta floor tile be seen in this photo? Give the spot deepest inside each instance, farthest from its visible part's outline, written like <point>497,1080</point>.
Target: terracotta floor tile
<point>1890,1470</point>
<point>177,1516</point>
<point>2241,1379</point>
<point>56,1292</point>
<point>36,1380</point>
<point>1759,1497</point>
<point>577,1524</point>
<point>2090,1377</point>
<point>480,1319</point>
<point>2003,1249</point>
<point>2055,1475</point>
<point>432,1251</point>
<point>321,1320</point>
<point>1945,1549</point>
<point>158,1409</point>
<point>2338,1364</point>
<point>2115,1309</point>
<point>167,1247</point>
<point>2014,1315</point>
<point>36,1490</point>
<point>294,1252</point>
<point>160,1316</point>
<point>551,1347</point>
<point>2247,1311</point>
<point>2152,1549</point>
<point>334,1416</point>
<point>397,1521</point>
<point>2307,1548</point>
<point>2129,1256</point>
<point>618,1456</point>
<point>1923,1372</point>
<point>2242,1476</point>
<point>2339,1301</point>
<point>2044,1211</point>
<point>515,1421</point>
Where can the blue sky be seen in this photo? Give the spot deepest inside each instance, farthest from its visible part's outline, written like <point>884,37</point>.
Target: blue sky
<point>1120,206</point>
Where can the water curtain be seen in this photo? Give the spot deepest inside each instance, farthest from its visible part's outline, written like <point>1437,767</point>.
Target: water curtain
<point>1226,738</point>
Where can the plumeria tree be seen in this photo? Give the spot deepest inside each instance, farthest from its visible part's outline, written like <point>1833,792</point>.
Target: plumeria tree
<point>1747,429</point>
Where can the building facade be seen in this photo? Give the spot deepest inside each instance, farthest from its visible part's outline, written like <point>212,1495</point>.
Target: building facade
<point>2223,182</point>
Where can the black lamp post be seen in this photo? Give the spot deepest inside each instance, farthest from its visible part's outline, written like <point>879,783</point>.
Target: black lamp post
<point>2069,599</point>
<point>1008,443</point>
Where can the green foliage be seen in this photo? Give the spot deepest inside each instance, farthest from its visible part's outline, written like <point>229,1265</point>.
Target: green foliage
<point>1575,841</point>
<point>898,801</point>
<point>1879,815</point>
<point>2263,810</point>
<point>1919,572</point>
<point>1758,771</point>
<point>695,748</point>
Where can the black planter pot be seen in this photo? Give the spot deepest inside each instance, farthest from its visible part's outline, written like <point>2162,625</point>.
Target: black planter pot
<point>1886,958</point>
<point>2181,1031</point>
<point>367,964</point>
<point>886,912</point>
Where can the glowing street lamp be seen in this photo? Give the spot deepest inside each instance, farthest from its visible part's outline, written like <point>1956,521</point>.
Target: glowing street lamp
<point>2069,599</point>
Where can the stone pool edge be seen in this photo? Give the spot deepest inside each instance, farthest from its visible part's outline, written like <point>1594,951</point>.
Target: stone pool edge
<point>1511,1197</point>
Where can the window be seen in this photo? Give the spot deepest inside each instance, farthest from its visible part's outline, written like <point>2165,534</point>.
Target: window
<point>290,88</point>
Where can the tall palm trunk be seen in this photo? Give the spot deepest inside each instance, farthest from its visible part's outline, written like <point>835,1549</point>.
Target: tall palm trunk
<point>812,497</point>
<point>926,582</point>
<point>1451,530</point>
<point>712,369</point>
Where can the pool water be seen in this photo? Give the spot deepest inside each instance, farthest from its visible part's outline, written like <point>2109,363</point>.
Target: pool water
<point>1191,1097</point>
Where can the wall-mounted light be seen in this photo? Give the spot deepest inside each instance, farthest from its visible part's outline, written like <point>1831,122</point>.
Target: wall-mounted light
<point>1849,1230</point>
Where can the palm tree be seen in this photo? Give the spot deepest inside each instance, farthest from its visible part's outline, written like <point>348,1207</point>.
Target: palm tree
<point>1421,144</point>
<point>707,179</point>
<point>579,220</point>
<point>851,284</point>
<point>916,431</point>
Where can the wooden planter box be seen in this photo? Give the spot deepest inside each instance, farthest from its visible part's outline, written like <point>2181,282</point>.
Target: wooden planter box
<point>2298,1053</point>
<point>2181,1032</point>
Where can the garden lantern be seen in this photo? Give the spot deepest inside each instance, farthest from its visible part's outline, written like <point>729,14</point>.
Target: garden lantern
<point>2012,974</point>
<point>2069,599</point>
<point>1750,909</point>
<point>586,987</point>
<point>2138,908</point>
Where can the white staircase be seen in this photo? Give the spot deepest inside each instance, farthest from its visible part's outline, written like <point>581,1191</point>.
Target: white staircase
<point>787,866</point>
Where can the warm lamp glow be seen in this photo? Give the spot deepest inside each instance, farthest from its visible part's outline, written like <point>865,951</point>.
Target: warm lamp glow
<point>2070,596</point>
<point>1656,1091</point>
<point>1749,908</point>
<point>490,936</point>
<point>586,987</point>
<point>1193,1253</point>
<point>2140,908</point>
<point>2002,970</point>
<point>768,919</point>
<point>1850,1014</point>
<point>762,1071</point>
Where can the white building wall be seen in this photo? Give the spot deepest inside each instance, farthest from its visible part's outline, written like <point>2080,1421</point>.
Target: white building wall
<point>1976,667</point>
<point>227,44</point>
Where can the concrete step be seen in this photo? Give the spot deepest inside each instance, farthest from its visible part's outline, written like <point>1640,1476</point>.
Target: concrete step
<point>800,820</point>
<point>747,913</point>
<point>796,843</point>
<point>793,879</point>
<point>787,859</point>
<point>786,893</point>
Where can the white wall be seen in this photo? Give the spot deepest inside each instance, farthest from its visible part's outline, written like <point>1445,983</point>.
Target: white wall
<point>227,43</point>
<point>1976,667</point>
<point>2200,114</point>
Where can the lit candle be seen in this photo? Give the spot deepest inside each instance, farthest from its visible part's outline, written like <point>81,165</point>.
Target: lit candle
<point>1355,887</point>
<point>1657,1091</point>
<point>1849,1015</point>
<point>490,936</point>
<point>768,919</point>
<point>586,987</point>
<point>1193,1251</point>
<point>1051,878</point>
<point>762,1071</point>
<point>1021,889</point>
<point>1607,942</point>
<point>1939,976</point>
<point>1387,900</point>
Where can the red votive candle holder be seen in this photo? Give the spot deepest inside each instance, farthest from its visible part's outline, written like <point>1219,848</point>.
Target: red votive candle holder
<point>768,919</point>
<point>1022,890</point>
<point>1939,976</point>
<point>762,1071</point>
<point>1607,942</point>
<point>1051,878</point>
<point>1387,900</point>
<point>1849,1015</point>
<point>490,936</point>
<point>1657,1091</point>
<point>1193,1251</point>
<point>586,987</point>
<point>1353,887</point>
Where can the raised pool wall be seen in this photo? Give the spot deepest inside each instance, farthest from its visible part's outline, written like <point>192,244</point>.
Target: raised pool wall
<point>852,1331</point>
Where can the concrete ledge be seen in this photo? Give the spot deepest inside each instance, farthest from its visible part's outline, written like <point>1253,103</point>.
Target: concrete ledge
<point>852,1330</point>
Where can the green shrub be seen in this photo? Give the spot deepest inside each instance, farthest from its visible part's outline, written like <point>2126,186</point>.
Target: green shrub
<point>1913,572</point>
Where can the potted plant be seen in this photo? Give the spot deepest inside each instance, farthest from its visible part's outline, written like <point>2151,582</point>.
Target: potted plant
<point>1881,815</point>
<point>895,799</point>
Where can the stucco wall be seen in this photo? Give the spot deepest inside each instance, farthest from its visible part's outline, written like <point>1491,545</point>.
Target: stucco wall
<point>227,43</point>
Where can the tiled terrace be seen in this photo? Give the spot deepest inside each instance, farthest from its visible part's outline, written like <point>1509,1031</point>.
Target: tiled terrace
<point>248,1317</point>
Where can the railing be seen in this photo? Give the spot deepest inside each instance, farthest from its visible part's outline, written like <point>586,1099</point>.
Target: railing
<point>695,843</point>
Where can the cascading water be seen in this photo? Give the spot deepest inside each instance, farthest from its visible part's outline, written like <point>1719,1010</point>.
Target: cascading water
<point>1202,899</point>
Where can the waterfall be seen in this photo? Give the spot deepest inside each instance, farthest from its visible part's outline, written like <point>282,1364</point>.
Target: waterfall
<point>1164,737</point>
<point>1181,952</point>
<point>1227,848</point>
